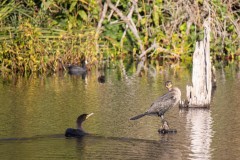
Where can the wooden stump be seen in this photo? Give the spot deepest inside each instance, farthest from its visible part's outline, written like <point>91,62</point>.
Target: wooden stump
<point>199,94</point>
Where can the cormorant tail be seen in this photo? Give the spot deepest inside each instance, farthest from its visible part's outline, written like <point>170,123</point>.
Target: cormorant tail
<point>138,116</point>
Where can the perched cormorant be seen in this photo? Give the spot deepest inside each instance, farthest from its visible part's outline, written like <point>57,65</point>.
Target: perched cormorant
<point>78,70</point>
<point>71,132</point>
<point>163,104</point>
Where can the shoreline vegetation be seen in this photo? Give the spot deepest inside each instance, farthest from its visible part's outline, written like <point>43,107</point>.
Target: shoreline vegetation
<point>46,36</point>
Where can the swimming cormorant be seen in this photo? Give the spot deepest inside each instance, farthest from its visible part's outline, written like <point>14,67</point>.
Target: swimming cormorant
<point>163,104</point>
<point>71,132</point>
<point>101,79</point>
<point>78,70</point>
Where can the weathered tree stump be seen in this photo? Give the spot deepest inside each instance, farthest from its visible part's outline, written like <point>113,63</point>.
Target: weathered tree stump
<point>199,94</point>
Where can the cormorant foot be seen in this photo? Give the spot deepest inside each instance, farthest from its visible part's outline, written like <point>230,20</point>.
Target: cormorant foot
<point>165,125</point>
<point>165,128</point>
<point>167,131</point>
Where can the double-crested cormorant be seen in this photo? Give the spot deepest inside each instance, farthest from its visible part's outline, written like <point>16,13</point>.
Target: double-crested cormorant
<point>78,70</point>
<point>101,79</point>
<point>71,132</point>
<point>163,104</point>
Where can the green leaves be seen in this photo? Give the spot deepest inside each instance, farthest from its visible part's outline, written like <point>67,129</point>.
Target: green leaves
<point>183,27</point>
<point>83,15</point>
<point>72,6</point>
<point>45,5</point>
<point>230,28</point>
<point>35,33</point>
<point>156,15</point>
<point>7,9</point>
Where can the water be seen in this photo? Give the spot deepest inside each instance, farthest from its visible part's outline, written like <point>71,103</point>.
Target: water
<point>35,112</point>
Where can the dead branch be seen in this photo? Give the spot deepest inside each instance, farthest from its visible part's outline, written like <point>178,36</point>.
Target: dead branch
<point>129,22</point>
<point>110,15</point>
<point>105,7</point>
<point>155,46</point>
<point>125,31</point>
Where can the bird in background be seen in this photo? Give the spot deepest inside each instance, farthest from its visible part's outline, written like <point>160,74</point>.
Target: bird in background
<point>163,104</point>
<point>78,70</point>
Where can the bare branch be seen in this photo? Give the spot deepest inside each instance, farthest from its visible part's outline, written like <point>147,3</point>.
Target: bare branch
<point>129,16</point>
<point>155,46</point>
<point>105,7</point>
<point>129,22</point>
<point>110,15</point>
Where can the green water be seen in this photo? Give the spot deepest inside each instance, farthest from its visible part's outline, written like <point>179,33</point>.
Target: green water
<point>35,112</point>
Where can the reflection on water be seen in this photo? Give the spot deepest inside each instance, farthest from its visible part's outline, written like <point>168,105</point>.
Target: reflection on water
<point>125,148</point>
<point>89,147</point>
<point>35,112</point>
<point>199,124</point>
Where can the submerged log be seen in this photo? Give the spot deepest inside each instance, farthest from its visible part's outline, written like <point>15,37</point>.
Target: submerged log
<point>199,94</point>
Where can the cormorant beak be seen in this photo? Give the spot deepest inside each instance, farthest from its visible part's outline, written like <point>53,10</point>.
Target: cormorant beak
<point>89,115</point>
<point>169,86</point>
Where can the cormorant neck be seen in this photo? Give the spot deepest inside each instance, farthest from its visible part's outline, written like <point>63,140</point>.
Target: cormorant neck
<point>84,65</point>
<point>79,126</point>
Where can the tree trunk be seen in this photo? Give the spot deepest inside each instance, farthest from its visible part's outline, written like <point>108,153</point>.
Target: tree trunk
<point>199,94</point>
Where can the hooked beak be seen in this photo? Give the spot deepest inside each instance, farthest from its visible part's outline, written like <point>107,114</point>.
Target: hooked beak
<point>89,115</point>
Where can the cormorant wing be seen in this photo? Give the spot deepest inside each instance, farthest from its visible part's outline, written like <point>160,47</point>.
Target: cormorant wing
<point>163,103</point>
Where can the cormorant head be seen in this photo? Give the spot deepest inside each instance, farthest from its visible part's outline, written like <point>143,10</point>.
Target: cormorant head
<point>82,118</point>
<point>84,62</point>
<point>101,79</point>
<point>168,84</point>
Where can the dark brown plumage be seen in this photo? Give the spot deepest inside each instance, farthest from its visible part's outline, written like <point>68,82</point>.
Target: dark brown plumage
<point>163,103</point>
<point>71,132</point>
<point>78,70</point>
